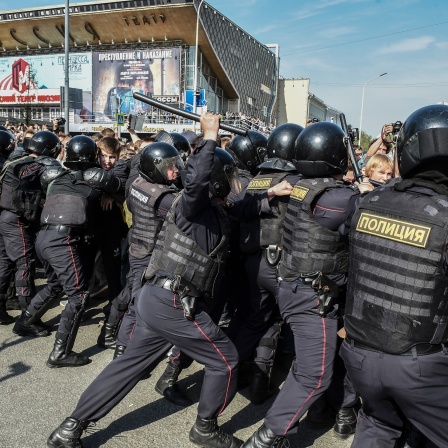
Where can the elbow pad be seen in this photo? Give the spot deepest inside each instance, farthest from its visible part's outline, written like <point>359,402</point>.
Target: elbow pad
<point>51,173</point>
<point>102,179</point>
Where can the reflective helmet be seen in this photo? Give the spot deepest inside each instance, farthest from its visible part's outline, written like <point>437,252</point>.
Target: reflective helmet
<point>7,142</point>
<point>281,141</point>
<point>250,150</point>
<point>81,153</point>
<point>45,143</point>
<point>224,177</point>
<point>423,140</point>
<point>26,143</point>
<point>320,150</point>
<point>156,159</point>
<point>177,140</point>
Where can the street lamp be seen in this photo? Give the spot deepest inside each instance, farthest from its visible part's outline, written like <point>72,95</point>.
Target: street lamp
<point>362,104</point>
<point>66,67</point>
<point>195,75</point>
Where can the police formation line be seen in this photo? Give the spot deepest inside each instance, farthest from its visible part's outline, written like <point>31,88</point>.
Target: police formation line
<point>349,271</point>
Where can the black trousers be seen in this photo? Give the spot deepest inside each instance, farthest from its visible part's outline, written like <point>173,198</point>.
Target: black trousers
<point>129,319</point>
<point>394,388</point>
<point>19,236</point>
<point>60,254</point>
<point>262,311</point>
<point>315,350</point>
<point>160,324</point>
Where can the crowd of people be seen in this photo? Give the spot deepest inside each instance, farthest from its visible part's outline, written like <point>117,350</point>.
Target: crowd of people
<point>216,249</point>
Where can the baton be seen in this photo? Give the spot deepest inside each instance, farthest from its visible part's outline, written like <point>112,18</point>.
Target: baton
<point>351,149</point>
<point>351,152</point>
<point>184,113</point>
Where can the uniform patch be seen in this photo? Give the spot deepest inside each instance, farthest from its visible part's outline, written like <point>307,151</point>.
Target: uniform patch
<point>260,184</point>
<point>393,229</point>
<point>299,193</point>
<point>139,196</point>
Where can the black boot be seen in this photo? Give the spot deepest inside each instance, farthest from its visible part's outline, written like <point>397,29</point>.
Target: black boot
<point>106,339</point>
<point>58,357</point>
<point>346,420</point>
<point>5,318</point>
<point>12,304</point>
<point>119,351</point>
<point>265,438</point>
<point>207,433</point>
<point>23,328</point>
<point>260,389</point>
<point>168,387</point>
<point>67,434</point>
<point>320,413</point>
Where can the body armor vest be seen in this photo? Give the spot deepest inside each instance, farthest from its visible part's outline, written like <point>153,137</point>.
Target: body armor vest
<point>177,254</point>
<point>22,196</point>
<point>266,229</point>
<point>308,246</point>
<point>141,201</point>
<point>66,203</point>
<point>398,290</point>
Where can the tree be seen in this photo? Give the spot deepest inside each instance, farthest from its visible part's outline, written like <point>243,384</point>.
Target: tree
<point>366,139</point>
<point>30,107</point>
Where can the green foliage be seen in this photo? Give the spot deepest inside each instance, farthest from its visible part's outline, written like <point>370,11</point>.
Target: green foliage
<point>366,139</point>
<point>29,110</point>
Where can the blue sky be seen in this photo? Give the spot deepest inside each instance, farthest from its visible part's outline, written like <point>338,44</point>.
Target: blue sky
<point>341,44</point>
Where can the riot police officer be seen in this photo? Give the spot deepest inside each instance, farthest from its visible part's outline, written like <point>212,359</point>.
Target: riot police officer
<point>260,240</point>
<point>314,264</point>
<point>150,197</point>
<point>396,347</point>
<point>233,284</point>
<point>20,202</point>
<point>66,225</point>
<point>7,144</point>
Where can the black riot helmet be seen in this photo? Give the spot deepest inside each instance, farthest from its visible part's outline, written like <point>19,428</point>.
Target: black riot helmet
<point>422,142</point>
<point>81,153</point>
<point>281,141</point>
<point>250,150</point>
<point>156,159</point>
<point>7,143</point>
<point>45,143</point>
<point>320,151</point>
<point>224,177</point>
<point>177,140</point>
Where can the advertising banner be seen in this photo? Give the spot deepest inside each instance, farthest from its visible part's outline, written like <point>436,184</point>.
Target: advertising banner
<point>38,79</point>
<point>117,74</point>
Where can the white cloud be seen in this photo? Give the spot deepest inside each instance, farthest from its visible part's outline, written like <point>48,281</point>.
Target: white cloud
<point>265,29</point>
<point>442,45</point>
<point>408,45</point>
<point>331,33</point>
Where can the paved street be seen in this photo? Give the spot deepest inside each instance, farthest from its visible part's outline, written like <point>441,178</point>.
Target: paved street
<point>35,399</point>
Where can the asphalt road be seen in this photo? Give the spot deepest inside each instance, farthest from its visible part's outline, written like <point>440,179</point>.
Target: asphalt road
<point>34,399</point>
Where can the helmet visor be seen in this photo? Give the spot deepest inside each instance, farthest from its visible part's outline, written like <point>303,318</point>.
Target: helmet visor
<point>233,178</point>
<point>169,167</point>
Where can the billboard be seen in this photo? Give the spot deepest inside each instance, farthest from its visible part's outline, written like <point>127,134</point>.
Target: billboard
<point>38,79</point>
<point>117,74</point>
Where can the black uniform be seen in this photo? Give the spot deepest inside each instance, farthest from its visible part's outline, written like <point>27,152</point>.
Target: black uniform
<point>259,238</point>
<point>7,268</point>
<point>109,229</point>
<point>311,244</point>
<point>396,314</point>
<point>20,202</point>
<point>61,244</point>
<point>149,203</point>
